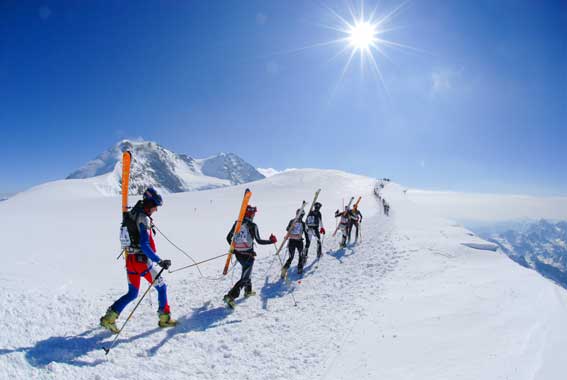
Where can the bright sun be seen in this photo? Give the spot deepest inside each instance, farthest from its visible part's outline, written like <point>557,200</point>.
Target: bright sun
<point>362,35</point>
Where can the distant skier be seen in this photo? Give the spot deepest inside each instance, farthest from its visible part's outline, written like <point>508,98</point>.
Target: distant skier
<point>343,224</point>
<point>297,230</point>
<point>140,254</point>
<point>314,229</point>
<point>355,220</point>
<point>244,252</point>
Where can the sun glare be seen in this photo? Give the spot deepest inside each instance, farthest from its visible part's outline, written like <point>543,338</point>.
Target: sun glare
<point>362,35</point>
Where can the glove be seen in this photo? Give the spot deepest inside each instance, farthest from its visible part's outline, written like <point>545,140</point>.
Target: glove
<point>165,264</point>
<point>336,212</point>
<point>322,230</point>
<point>273,239</point>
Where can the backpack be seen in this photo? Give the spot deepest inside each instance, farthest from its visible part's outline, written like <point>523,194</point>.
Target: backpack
<point>129,233</point>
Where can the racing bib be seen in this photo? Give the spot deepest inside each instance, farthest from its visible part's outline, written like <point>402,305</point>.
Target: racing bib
<point>125,241</point>
<point>311,220</point>
<point>296,231</point>
<point>243,240</point>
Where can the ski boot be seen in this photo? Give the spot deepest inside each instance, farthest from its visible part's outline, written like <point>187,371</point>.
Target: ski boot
<point>249,293</point>
<point>284,272</point>
<point>229,301</point>
<point>108,321</point>
<point>165,320</point>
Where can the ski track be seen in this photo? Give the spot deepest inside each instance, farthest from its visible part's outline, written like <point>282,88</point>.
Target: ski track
<point>210,342</point>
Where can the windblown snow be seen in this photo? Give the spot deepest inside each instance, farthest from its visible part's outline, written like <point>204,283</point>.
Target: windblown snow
<point>409,301</point>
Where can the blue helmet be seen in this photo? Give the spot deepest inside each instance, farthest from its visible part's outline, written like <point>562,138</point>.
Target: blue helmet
<point>151,195</point>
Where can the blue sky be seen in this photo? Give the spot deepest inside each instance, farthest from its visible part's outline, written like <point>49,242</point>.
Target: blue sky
<point>481,106</point>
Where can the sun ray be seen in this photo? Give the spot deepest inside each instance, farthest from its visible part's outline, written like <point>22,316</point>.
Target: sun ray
<point>345,68</point>
<point>391,14</point>
<point>400,46</point>
<point>377,69</point>
<point>362,33</point>
<point>339,17</point>
<point>341,52</point>
<point>298,50</point>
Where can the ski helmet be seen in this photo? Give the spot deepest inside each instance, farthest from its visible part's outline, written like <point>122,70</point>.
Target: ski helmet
<point>250,211</point>
<point>151,195</point>
<point>317,205</point>
<point>300,213</point>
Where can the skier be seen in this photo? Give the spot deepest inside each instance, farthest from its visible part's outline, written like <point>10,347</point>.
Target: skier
<point>244,251</point>
<point>140,255</point>
<point>297,230</point>
<point>386,207</point>
<point>343,224</point>
<point>314,229</point>
<point>355,220</point>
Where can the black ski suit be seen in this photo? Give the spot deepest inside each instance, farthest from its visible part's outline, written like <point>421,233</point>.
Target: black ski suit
<point>244,252</point>
<point>355,219</point>
<point>295,242</point>
<point>314,223</point>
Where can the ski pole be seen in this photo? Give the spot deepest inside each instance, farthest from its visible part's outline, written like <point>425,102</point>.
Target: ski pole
<point>121,253</point>
<point>107,350</point>
<point>179,249</point>
<point>199,263</point>
<point>281,262</point>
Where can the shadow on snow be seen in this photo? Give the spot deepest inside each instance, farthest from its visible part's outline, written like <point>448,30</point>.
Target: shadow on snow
<point>200,319</point>
<point>69,349</point>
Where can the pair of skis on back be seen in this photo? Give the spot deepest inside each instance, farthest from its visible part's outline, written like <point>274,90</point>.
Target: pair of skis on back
<point>240,220</point>
<point>348,207</point>
<point>288,233</point>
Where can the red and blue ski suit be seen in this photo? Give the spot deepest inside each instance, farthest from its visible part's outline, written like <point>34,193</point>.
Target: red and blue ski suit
<point>139,263</point>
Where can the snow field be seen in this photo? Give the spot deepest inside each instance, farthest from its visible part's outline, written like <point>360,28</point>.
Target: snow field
<point>410,301</point>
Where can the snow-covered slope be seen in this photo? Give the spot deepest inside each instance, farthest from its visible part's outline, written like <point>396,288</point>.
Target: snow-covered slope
<point>268,172</point>
<point>409,301</point>
<point>171,172</point>
<point>230,167</point>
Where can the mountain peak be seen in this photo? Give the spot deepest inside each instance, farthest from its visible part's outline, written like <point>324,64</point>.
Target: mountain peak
<point>154,165</point>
